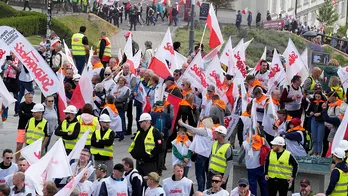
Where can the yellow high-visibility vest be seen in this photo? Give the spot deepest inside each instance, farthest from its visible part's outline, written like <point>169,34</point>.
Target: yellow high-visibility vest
<point>35,132</point>
<point>78,49</point>
<point>84,127</point>
<point>218,161</point>
<point>342,185</point>
<point>107,50</point>
<point>149,142</point>
<point>69,144</point>
<point>107,150</point>
<point>280,168</point>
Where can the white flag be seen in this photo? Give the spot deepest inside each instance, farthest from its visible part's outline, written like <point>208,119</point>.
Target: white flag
<point>69,57</point>
<point>7,98</point>
<point>277,72</point>
<point>294,63</point>
<point>166,52</point>
<point>343,74</point>
<point>227,53</point>
<point>304,73</point>
<point>69,188</point>
<point>180,59</point>
<point>32,152</point>
<point>246,44</point>
<point>215,76</point>
<point>54,164</point>
<point>239,68</point>
<point>80,145</point>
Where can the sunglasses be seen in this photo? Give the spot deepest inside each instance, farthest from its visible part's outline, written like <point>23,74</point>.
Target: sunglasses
<point>215,181</point>
<point>50,101</point>
<point>242,185</point>
<point>107,74</point>
<point>9,157</point>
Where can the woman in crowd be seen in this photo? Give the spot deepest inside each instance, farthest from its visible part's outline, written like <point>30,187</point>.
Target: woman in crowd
<point>154,81</point>
<point>51,116</point>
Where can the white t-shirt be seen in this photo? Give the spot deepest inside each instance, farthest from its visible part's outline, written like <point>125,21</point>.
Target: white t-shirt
<point>85,188</point>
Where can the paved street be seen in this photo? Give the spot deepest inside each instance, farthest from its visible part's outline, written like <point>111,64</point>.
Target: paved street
<point>8,131</point>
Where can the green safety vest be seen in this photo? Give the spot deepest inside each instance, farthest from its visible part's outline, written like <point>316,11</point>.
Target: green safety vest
<point>149,142</point>
<point>279,168</point>
<point>107,150</point>
<point>218,161</point>
<point>342,185</point>
<point>78,49</point>
<point>35,132</point>
<point>69,144</point>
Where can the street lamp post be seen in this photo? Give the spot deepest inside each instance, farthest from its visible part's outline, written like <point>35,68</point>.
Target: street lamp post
<point>48,31</point>
<point>192,32</point>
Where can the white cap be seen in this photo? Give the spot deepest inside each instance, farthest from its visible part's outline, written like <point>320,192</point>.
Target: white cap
<point>278,141</point>
<point>221,129</point>
<point>38,108</point>
<point>343,144</point>
<point>339,153</point>
<point>145,116</point>
<point>104,118</point>
<point>76,76</point>
<point>70,109</point>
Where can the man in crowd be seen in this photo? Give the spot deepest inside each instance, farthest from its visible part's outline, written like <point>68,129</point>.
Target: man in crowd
<point>178,183</point>
<point>134,179</point>
<point>104,50</point>
<point>6,166</point>
<point>5,190</point>
<point>19,187</point>
<point>80,48</point>
<point>263,74</point>
<point>172,88</point>
<point>153,186</point>
<point>115,184</point>
<point>242,189</point>
<point>82,162</point>
<point>338,178</point>
<point>311,81</point>
<point>100,172</point>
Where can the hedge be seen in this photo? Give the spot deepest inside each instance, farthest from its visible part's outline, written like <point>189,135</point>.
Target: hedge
<point>7,11</point>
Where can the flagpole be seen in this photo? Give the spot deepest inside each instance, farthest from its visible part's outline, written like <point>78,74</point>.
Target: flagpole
<point>192,30</point>
<point>205,27</point>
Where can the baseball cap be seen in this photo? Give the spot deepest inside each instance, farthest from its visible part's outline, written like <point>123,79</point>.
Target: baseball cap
<point>243,181</point>
<point>171,78</point>
<point>119,167</point>
<point>211,88</point>
<point>153,176</point>
<point>304,181</point>
<point>102,167</point>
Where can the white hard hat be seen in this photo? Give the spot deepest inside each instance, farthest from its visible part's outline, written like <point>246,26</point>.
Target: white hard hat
<point>343,144</point>
<point>278,141</point>
<point>221,129</point>
<point>38,108</point>
<point>104,118</point>
<point>145,116</point>
<point>339,153</point>
<point>70,109</point>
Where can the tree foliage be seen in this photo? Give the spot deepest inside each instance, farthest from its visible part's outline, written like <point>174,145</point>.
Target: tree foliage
<point>219,4</point>
<point>327,14</point>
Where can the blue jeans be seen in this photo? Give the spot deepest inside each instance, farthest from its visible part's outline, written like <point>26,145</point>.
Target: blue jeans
<point>257,176</point>
<point>24,86</point>
<point>80,62</point>
<point>318,132</point>
<point>201,164</point>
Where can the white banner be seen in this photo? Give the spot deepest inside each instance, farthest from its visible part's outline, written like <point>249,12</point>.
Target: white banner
<point>230,123</point>
<point>27,54</point>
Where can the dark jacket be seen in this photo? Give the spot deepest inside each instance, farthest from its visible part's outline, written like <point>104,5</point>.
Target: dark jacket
<point>316,109</point>
<point>102,144</point>
<point>258,17</point>
<point>185,113</point>
<point>335,176</point>
<point>328,72</point>
<point>176,92</point>
<point>137,187</point>
<point>167,122</point>
<point>135,48</point>
<point>138,151</point>
<point>25,114</point>
<point>335,121</point>
<point>65,135</point>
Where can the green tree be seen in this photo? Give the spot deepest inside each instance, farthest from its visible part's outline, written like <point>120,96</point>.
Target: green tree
<point>327,14</point>
<point>219,4</point>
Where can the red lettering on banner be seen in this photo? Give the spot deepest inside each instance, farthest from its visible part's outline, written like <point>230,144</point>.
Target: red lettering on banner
<point>83,194</point>
<point>2,181</point>
<point>292,58</point>
<point>45,172</point>
<point>227,121</point>
<point>2,52</point>
<point>70,184</point>
<point>121,194</point>
<point>37,154</point>
<point>175,191</point>
<point>274,71</point>
<point>240,64</point>
<point>200,74</point>
<point>347,69</point>
<point>31,62</point>
<point>169,47</point>
<point>228,53</point>
<point>218,82</point>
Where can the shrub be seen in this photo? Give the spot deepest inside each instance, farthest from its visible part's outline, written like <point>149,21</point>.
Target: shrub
<point>7,11</point>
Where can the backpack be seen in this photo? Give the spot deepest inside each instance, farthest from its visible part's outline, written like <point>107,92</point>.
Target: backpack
<point>308,144</point>
<point>159,124</point>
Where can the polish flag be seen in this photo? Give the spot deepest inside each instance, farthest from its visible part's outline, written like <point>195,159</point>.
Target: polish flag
<point>119,56</point>
<point>136,60</point>
<point>277,72</point>
<point>304,73</point>
<point>216,38</point>
<point>84,90</point>
<point>80,145</point>
<point>62,103</point>
<point>341,133</point>
<point>182,2</point>
<point>245,11</point>
<point>54,164</point>
<point>32,152</point>
<point>227,53</point>
<point>294,63</point>
<point>7,98</point>
<point>69,188</point>
<point>144,98</point>
<point>258,66</point>
<point>163,2</point>
<point>69,57</point>
<point>164,62</point>
<point>195,74</point>
<point>128,51</point>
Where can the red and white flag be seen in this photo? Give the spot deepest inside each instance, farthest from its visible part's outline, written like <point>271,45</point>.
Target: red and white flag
<point>84,90</point>
<point>80,145</point>
<point>341,133</point>
<point>239,68</point>
<point>6,97</point>
<point>54,164</point>
<point>69,57</point>
<point>128,51</point>
<point>195,74</point>
<point>258,66</point>
<point>31,59</point>
<point>136,60</point>
<point>227,53</point>
<point>174,101</point>
<point>277,72</point>
<point>62,103</point>
<point>32,152</point>
<point>304,73</point>
<point>245,11</point>
<point>182,2</point>
<point>69,188</point>
<point>216,38</point>
<point>144,98</point>
<point>163,2</point>
<point>4,51</point>
<point>294,63</point>
<point>165,54</point>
